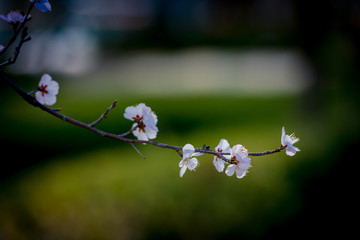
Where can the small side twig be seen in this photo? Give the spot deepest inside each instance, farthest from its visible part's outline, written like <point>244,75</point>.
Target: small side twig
<point>138,151</point>
<point>104,115</point>
<point>130,131</point>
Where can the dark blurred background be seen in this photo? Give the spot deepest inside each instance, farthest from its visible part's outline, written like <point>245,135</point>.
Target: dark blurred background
<point>213,69</point>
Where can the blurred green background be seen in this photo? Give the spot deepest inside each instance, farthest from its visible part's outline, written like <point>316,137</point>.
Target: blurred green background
<point>238,70</point>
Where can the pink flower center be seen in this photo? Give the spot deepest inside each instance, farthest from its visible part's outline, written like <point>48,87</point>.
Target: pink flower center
<point>142,127</point>
<point>137,118</point>
<point>43,89</point>
<point>234,160</point>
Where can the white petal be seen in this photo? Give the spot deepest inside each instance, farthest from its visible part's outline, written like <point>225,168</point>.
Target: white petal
<point>39,97</point>
<point>130,113</point>
<point>223,144</point>
<point>45,79</point>
<point>149,119</point>
<point>188,150</point>
<point>230,170</point>
<point>140,135</point>
<point>291,150</point>
<point>196,154</point>
<point>50,99</point>
<point>183,170</point>
<point>154,117</point>
<point>219,164</point>
<point>192,163</point>
<point>238,149</point>
<point>151,134</point>
<point>283,136</point>
<point>182,162</point>
<point>243,165</point>
<point>240,173</point>
<point>239,152</point>
<point>141,107</point>
<point>43,6</point>
<point>53,88</point>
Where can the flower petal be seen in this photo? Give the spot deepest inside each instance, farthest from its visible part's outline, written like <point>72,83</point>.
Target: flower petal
<point>188,150</point>
<point>40,98</point>
<point>291,150</point>
<point>183,170</point>
<point>140,134</point>
<point>182,162</point>
<point>45,79</point>
<point>150,133</point>
<point>43,5</point>
<point>53,88</point>
<point>150,119</point>
<point>240,173</point>
<point>50,99</point>
<point>230,170</point>
<point>219,164</point>
<point>196,154</point>
<point>130,113</point>
<point>192,163</point>
<point>283,134</point>
<point>243,165</point>
<point>223,144</point>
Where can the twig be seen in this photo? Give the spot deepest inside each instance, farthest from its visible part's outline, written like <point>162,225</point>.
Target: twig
<point>267,152</point>
<point>104,115</point>
<point>33,91</point>
<point>16,33</point>
<point>130,131</point>
<point>137,150</point>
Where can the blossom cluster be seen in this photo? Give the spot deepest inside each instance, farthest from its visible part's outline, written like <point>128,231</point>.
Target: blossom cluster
<point>239,162</point>
<point>237,156</point>
<point>145,120</point>
<point>16,17</point>
<point>145,127</point>
<point>48,88</point>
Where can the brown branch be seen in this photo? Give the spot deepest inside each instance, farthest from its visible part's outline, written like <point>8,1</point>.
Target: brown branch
<point>267,152</point>
<point>31,100</point>
<point>17,31</point>
<point>104,115</point>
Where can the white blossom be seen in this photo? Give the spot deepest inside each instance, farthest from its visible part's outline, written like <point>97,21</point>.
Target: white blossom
<point>42,5</point>
<point>239,155</point>
<point>188,161</point>
<point>222,147</point>
<point>14,17</point>
<point>48,89</point>
<point>288,141</point>
<point>146,120</point>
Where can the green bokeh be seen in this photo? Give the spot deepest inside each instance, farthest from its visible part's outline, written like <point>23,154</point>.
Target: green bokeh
<point>89,187</point>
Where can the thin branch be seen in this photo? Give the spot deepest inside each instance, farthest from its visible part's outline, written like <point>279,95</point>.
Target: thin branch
<point>267,152</point>
<point>31,100</point>
<point>138,151</point>
<point>16,33</point>
<point>130,131</point>
<point>33,91</point>
<point>104,115</point>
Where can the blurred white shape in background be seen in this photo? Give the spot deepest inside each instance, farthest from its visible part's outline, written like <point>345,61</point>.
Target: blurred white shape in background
<point>203,71</point>
<point>68,51</point>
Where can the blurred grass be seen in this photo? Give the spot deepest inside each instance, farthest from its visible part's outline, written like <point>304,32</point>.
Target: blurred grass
<point>88,187</point>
